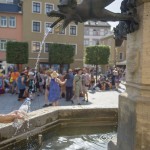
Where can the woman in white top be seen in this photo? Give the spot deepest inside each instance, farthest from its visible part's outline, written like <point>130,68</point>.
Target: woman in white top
<point>47,86</point>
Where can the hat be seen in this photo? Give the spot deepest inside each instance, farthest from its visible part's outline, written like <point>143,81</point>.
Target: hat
<point>49,71</point>
<point>54,74</point>
<point>70,70</point>
<point>78,69</point>
<point>31,73</point>
<point>22,74</point>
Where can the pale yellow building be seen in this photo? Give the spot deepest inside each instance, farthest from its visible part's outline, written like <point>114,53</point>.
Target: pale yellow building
<point>117,54</point>
<point>36,22</point>
<point>121,53</point>
<point>110,41</point>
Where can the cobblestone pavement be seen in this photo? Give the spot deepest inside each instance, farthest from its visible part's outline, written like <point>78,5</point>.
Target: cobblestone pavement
<point>9,102</point>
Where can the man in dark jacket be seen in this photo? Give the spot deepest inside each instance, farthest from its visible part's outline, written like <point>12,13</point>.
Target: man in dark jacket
<point>69,85</point>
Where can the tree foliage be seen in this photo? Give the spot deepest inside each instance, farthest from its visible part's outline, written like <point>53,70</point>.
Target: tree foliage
<point>61,54</point>
<point>97,55</point>
<point>17,52</point>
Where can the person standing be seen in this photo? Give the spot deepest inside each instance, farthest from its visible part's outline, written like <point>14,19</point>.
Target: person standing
<point>63,87</point>
<point>116,75</point>
<point>77,86</point>
<point>47,87</point>
<point>21,86</point>
<point>69,85</point>
<point>86,80</point>
<point>14,75</point>
<point>1,84</point>
<point>32,85</point>
<point>54,92</point>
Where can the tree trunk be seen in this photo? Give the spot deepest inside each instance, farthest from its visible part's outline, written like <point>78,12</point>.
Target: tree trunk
<point>19,67</point>
<point>61,68</point>
<point>96,72</point>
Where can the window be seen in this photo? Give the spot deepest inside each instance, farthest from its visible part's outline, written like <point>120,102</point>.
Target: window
<point>95,42</point>
<point>3,21</point>
<point>10,1</point>
<point>90,43</point>
<point>73,30</point>
<point>3,45</point>
<point>36,7</point>
<point>47,26</point>
<point>86,42</point>
<point>63,32</point>
<point>48,8</point>
<point>12,22</point>
<point>86,31</point>
<point>102,32</point>
<point>95,32</point>
<point>47,45</point>
<point>121,56</point>
<point>75,47</point>
<point>35,47</point>
<point>36,26</point>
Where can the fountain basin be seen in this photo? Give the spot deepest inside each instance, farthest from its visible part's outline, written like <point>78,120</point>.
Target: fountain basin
<point>50,117</point>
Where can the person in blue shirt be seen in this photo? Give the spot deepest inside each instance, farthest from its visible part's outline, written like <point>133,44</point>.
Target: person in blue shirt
<point>69,85</point>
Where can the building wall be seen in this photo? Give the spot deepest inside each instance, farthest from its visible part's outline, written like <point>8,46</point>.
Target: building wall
<point>110,41</point>
<point>10,33</point>
<point>30,36</point>
<point>94,31</point>
<point>121,52</point>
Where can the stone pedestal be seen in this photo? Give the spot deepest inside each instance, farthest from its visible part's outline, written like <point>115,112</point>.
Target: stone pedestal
<point>134,106</point>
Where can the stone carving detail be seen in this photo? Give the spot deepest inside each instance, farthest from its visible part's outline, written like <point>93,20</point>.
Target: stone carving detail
<point>133,61</point>
<point>127,26</point>
<point>69,10</point>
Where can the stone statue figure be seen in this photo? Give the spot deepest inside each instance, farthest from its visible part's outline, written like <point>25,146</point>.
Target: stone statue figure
<point>69,10</point>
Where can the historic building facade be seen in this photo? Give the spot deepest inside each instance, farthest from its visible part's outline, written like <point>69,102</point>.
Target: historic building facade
<point>10,25</point>
<point>36,22</point>
<point>117,54</point>
<point>26,20</point>
<point>94,31</point>
<point>110,41</point>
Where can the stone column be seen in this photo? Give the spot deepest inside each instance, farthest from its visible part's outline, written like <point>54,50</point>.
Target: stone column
<point>134,106</point>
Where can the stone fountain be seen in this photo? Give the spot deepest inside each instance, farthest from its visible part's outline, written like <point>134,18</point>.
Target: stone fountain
<point>134,106</point>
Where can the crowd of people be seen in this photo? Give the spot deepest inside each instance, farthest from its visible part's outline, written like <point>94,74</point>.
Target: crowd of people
<point>111,79</point>
<point>69,85</point>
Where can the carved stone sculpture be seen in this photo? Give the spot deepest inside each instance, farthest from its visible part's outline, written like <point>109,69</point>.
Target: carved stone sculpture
<point>127,26</point>
<point>95,10</point>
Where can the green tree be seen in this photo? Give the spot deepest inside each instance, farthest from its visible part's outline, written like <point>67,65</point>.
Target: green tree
<point>61,54</point>
<point>17,53</point>
<point>97,55</point>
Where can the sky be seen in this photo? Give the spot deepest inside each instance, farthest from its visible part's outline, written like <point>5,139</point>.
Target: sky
<point>114,7</point>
